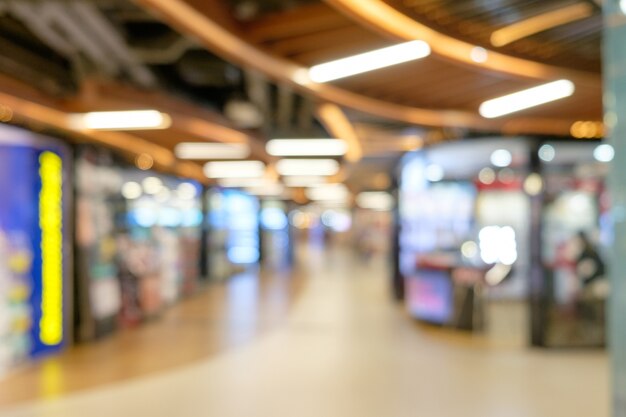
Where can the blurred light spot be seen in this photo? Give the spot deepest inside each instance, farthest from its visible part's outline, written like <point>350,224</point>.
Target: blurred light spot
<point>186,191</point>
<point>506,176</point>
<point>498,244</point>
<point>131,190</point>
<point>487,176</point>
<point>547,153</point>
<point>604,153</point>
<point>144,162</point>
<point>469,249</point>
<point>479,54</point>
<point>434,173</point>
<point>533,184</point>
<point>152,185</point>
<point>273,218</point>
<point>501,158</point>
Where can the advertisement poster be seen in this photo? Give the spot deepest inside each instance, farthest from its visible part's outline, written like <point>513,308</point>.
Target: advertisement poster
<point>33,246</point>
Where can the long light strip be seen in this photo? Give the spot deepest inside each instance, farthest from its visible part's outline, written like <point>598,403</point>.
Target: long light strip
<point>235,169</point>
<point>526,99</point>
<point>203,150</point>
<point>369,61</point>
<point>121,120</point>
<point>307,167</point>
<point>307,147</point>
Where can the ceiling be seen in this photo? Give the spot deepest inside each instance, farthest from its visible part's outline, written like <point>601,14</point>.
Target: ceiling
<point>198,59</point>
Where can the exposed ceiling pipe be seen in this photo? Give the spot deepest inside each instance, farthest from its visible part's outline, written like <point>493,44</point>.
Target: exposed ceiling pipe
<point>168,54</point>
<point>284,112</point>
<point>81,38</point>
<point>91,18</point>
<point>305,114</point>
<point>258,89</point>
<point>37,21</point>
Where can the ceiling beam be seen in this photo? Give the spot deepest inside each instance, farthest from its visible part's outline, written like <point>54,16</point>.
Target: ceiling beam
<point>339,126</point>
<point>304,20</point>
<point>235,49</point>
<point>540,23</point>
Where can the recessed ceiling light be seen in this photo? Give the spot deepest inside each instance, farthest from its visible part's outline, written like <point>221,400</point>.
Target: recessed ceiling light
<point>235,169</point>
<point>307,167</point>
<point>307,147</point>
<point>121,120</point>
<point>203,150</point>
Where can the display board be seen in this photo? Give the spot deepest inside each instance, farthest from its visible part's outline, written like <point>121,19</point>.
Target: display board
<point>234,239</point>
<point>35,251</point>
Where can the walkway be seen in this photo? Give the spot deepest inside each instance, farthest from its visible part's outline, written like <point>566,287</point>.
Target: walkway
<point>341,349</point>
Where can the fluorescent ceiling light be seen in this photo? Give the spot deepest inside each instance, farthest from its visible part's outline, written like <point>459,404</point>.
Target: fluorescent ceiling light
<point>203,150</point>
<point>527,98</point>
<point>328,192</point>
<point>369,61</point>
<point>304,181</point>
<point>307,167</point>
<point>307,147</point>
<point>374,200</point>
<point>235,169</point>
<point>121,120</point>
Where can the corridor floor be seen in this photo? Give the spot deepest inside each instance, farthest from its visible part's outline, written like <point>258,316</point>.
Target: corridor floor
<point>325,343</point>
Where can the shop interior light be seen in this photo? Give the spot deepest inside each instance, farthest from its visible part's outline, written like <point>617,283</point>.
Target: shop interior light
<point>501,158</point>
<point>204,150</point>
<point>307,167</point>
<point>369,61</point>
<point>307,147</point>
<point>328,192</point>
<point>434,173</point>
<point>622,6</point>
<point>152,185</point>
<point>604,153</point>
<point>121,120</point>
<point>186,191</point>
<point>547,153</point>
<point>235,169</point>
<point>304,181</point>
<point>132,190</point>
<point>375,200</point>
<point>526,99</point>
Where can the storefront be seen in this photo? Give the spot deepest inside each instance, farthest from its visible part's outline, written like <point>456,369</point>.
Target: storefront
<point>234,233</point>
<point>138,237</point>
<point>35,246</point>
<point>468,229</point>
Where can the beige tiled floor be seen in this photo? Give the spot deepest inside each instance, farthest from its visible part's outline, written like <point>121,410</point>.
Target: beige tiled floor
<point>344,350</point>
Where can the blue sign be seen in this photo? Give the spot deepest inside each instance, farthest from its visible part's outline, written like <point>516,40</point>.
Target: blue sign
<point>33,243</point>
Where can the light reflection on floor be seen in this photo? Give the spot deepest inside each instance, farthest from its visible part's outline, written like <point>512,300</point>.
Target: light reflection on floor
<point>344,350</point>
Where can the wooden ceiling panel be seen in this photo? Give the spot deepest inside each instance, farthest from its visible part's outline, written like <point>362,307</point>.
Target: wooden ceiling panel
<point>305,20</point>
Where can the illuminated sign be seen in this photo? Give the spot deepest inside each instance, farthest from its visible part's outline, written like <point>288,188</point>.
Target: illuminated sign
<point>51,224</point>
